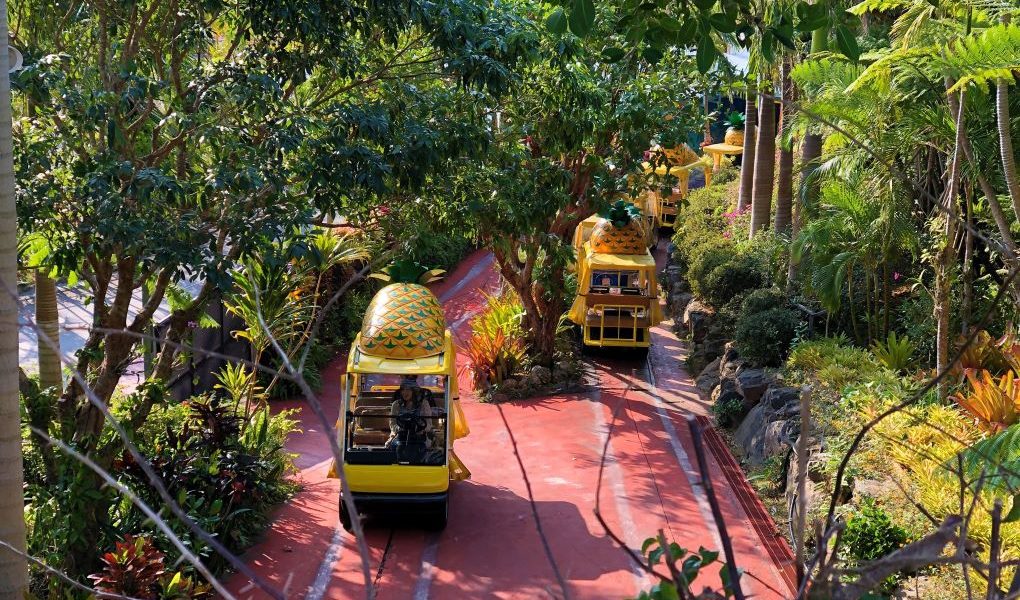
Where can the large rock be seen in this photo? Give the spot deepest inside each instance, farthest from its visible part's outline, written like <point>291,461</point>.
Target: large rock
<point>697,319</point>
<point>760,439</point>
<point>678,302</point>
<point>781,402</point>
<point>540,375</point>
<point>778,437</point>
<point>731,368</point>
<point>729,355</point>
<point>748,436</point>
<point>712,347</point>
<point>708,378</point>
<point>770,426</point>
<point>752,383</point>
<point>672,275</point>
<point>725,391</point>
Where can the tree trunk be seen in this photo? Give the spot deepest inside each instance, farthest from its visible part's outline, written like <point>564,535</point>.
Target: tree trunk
<point>1006,140</point>
<point>946,257</point>
<point>47,320</point>
<point>747,158</point>
<point>784,185</point>
<point>968,264</point>
<point>810,152</point>
<point>13,567</point>
<point>707,130</point>
<point>764,165</point>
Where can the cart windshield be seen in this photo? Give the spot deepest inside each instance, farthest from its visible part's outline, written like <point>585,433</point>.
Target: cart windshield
<point>604,281</point>
<point>387,425</point>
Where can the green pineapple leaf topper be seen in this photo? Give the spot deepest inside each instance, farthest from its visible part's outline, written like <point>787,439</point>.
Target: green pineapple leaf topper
<point>735,120</point>
<point>405,270</point>
<point>620,213</point>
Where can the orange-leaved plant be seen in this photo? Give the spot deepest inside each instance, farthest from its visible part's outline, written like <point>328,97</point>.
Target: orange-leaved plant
<point>994,403</point>
<point>137,569</point>
<point>496,348</point>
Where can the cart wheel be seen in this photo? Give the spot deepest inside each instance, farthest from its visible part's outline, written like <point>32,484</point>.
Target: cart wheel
<point>345,517</point>
<point>440,516</point>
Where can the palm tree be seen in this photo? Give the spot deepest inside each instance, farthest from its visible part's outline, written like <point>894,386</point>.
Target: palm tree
<point>747,158</point>
<point>784,184</point>
<point>764,162</point>
<point>13,567</point>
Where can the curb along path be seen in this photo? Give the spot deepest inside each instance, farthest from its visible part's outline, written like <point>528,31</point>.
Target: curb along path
<point>491,548</point>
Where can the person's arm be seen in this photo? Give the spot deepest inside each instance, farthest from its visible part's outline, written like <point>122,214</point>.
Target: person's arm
<point>426,411</point>
<point>394,411</point>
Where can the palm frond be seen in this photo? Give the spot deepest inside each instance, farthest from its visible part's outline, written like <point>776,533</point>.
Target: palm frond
<point>982,59</point>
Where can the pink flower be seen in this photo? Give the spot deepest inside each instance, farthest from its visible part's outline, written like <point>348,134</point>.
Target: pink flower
<point>896,276</point>
<point>727,234</point>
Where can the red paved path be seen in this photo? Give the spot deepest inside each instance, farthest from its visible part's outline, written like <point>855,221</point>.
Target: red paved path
<point>491,548</point>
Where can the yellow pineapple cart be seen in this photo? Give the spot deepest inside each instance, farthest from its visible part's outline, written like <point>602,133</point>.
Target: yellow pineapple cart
<point>584,229</point>
<point>617,300</point>
<point>404,335</point>
<point>676,163</point>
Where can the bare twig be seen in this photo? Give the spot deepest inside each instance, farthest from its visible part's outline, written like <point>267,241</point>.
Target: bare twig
<point>912,556</point>
<point>157,482</point>
<point>802,475</point>
<point>994,551</point>
<point>331,435</point>
<point>720,522</point>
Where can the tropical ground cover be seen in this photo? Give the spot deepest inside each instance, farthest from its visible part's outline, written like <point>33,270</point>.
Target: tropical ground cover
<point>267,157</point>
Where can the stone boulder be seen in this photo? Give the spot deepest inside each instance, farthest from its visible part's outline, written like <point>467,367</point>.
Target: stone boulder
<point>708,378</point>
<point>729,355</point>
<point>748,435</point>
<point>540,375</point>
<point>731,368</point>
<point>781,402</point>
<point>725,391</point>
<point>697,319</point>
<point>673,276</point>
<point>678,302</point>
<point>752,383</point>
<point>713,347</point>
<point>770,426</point>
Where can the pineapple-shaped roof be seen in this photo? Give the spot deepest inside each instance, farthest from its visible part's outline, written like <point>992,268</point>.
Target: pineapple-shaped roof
<point>680,155</point>
<point>619,231</point>
<point>404,319</point>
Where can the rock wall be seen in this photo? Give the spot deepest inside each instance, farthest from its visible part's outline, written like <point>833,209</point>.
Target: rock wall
<point>768,425</point>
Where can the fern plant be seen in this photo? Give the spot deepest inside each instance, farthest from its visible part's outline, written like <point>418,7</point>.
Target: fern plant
<point>995,461</point>
<point>896,353</point>
<point>985,58</point>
